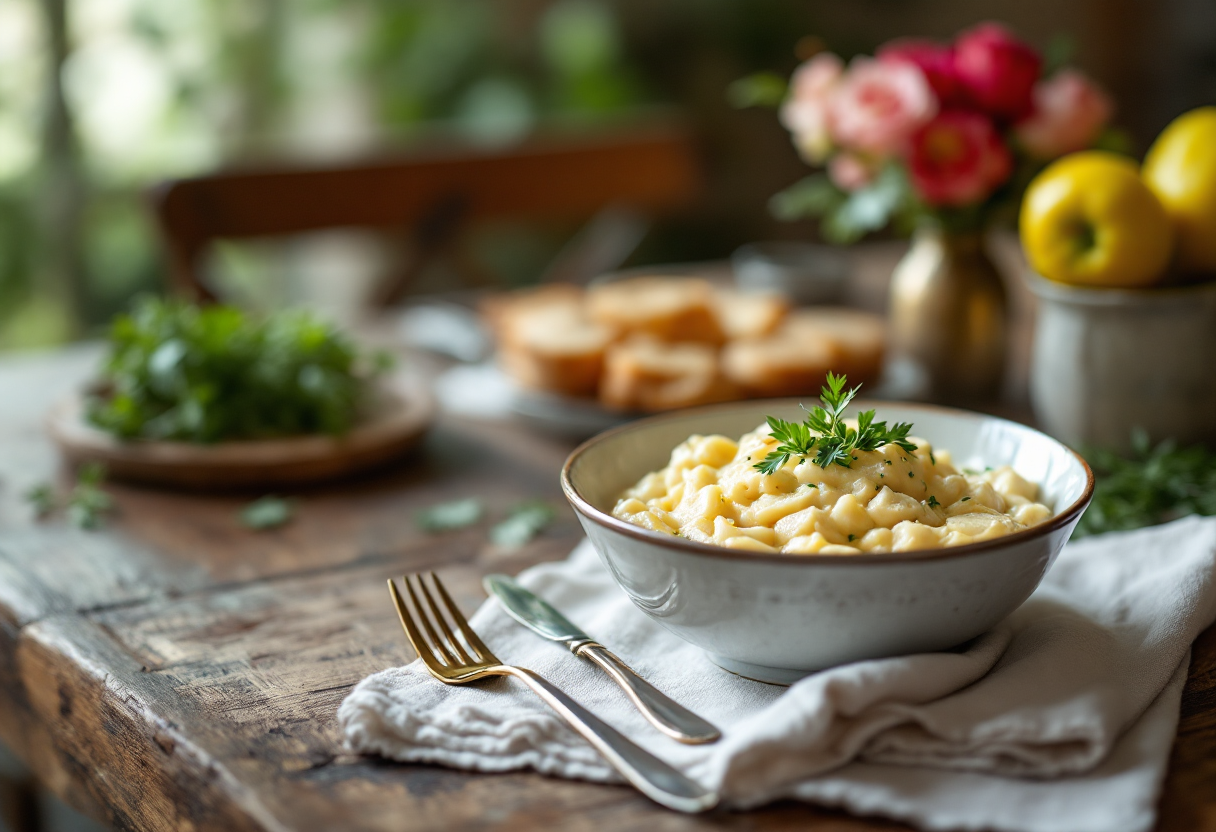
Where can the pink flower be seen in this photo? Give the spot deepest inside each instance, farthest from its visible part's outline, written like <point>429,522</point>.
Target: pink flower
<point>997,71</point>
<point>1069,112</point>
<point>935,60</point>
<point>805,111</point>
<point>878,106</point>
<point>850,172</point>
<point>958,159</point>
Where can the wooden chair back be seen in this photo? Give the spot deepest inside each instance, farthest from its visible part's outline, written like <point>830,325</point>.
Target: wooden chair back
<point>427,195</point>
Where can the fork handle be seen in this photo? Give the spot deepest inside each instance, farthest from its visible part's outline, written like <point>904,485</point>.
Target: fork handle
<point>664,713</point>
<point>653,777</point>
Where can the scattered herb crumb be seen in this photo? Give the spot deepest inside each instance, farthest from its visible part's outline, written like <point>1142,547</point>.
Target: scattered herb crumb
<point>965,499</point>
<point>932,458</point>
<point>852,537</point>
<point>87,503</point>
<point>812,485</point>
<point>267,512</point>
<point>445,517</point>
<point>877,487</point>
<point>933,503</point>
<point>524,522</point>
<point>910,474</point>
<point>42,499</point>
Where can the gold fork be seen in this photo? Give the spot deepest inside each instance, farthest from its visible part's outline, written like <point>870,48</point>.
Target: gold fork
<point>455,655</point>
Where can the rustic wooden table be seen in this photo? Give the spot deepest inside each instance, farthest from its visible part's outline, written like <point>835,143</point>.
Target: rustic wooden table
<point>176,671</point>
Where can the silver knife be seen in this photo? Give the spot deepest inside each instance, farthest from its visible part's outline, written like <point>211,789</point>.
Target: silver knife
<point>668,716</point>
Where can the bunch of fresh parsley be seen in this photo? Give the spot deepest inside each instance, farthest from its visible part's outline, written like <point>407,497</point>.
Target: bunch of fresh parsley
<point>825,434</point>
<point>1153,485</point>
<point>204,374</point>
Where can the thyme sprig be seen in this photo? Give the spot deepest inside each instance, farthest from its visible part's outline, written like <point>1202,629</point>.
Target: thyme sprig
<point>825,435</point>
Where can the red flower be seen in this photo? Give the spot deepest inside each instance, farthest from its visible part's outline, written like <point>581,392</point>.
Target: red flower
<point>997,71</point>
<point>935,60</point>
<point>958,159</point>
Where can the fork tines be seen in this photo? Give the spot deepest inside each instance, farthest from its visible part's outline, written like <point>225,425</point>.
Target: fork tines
<point>445,649</point>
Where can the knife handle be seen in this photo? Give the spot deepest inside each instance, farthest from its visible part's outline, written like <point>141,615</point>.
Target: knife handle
<point>670,717</point>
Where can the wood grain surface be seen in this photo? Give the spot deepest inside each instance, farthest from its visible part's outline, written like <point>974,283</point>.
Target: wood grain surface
<point>177,671</point>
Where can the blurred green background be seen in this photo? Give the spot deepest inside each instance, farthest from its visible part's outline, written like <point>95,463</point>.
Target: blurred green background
<point>100,98</point>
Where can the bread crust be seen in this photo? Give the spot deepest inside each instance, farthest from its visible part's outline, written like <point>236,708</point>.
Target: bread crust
<point>648,375</point>
<point>671,309</point>
<point>546,342</point>
<point>656,343</point>
<point>749,314</point>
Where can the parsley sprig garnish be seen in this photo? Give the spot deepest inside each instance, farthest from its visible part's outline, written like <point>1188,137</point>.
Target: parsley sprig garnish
<point>825,435</point>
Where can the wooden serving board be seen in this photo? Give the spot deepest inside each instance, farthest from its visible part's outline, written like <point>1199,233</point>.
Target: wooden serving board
<point>402,412</point>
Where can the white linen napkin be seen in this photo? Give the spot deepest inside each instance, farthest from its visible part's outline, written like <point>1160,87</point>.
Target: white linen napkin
<point>1060,719</point>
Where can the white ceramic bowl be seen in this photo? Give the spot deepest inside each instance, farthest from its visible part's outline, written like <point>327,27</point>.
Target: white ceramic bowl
<point>777,618</point>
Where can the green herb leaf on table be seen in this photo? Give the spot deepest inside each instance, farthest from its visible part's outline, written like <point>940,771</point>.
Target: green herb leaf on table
<point>444,517</point>
<point>205,374</point>
<point>41,498</point>
<point>825,434</point>
<point>523,523</point>
<point>88,503</point>
<point>268,512</point>
<point>1150,486</point>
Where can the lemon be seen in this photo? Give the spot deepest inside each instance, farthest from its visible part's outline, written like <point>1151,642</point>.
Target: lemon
<point>1090,220</point>
<point>1181,169</point>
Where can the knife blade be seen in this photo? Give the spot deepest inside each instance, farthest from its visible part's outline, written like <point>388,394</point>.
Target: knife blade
<point>670,717</point>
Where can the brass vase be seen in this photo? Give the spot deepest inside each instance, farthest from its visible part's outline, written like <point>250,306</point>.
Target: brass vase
<point>949,314</point>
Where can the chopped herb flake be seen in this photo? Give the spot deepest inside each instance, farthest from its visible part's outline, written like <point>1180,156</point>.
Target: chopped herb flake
<point>41,498</point>
<point>524,522</point>
<point>267,513</point>
<point>443,517</point>
<point>88,503</point>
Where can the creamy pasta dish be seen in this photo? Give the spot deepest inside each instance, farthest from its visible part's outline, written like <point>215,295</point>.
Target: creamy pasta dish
<point>887,500</point>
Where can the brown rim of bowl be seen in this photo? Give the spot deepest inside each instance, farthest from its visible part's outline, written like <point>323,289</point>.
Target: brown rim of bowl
<point>1058,521</point>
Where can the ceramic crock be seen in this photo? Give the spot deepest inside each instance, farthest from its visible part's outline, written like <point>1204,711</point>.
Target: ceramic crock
<point>1108,361</point>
